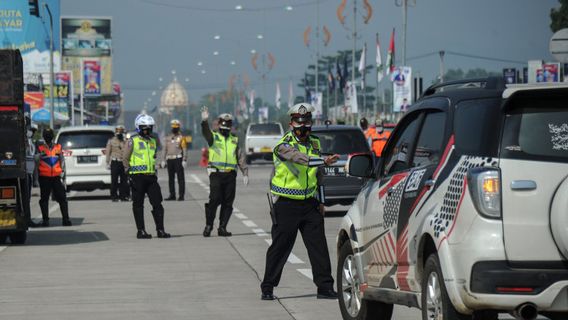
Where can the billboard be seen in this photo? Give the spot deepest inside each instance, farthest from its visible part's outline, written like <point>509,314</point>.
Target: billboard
<point>510,75</point>
<point>402,88</point>
<point>86,37</point>
<point>549,72</point>
<point>30,34</point>
<point>39,100</point>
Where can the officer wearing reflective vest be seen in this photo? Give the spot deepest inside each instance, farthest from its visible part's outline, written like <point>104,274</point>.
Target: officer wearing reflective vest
<point>140,163</point>
<point>298,197</point>
<point>224,157</point>
<point>51,168</point>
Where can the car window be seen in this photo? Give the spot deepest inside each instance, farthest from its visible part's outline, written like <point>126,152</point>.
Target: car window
<point>342,141</point>
<point>265,129</point>
<point>84,139</point>
<point>429,147</point>
<point>396,159</point>
<point>477,126</point>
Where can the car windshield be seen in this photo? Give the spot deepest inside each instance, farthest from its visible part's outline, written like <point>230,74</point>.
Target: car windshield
<point>342,141</point>
<point>265,129</point>
<point>84,139</point>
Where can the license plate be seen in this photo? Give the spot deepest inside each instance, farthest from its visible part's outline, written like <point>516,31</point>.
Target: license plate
<point>265,149</point>
<point>87,159</point>
<point>7,218</point>
<point>334,171</point>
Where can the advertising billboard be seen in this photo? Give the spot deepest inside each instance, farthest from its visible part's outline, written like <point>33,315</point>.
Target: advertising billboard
<point>402,88</point>
<point>30,34</point>
<point>86,37</point>
<point>40,100</point>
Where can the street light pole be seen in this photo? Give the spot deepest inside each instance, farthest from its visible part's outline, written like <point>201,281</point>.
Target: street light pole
<point>52,76</point>
<point>442,71</point>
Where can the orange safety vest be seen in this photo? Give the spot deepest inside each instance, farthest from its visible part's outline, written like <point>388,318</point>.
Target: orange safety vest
<point>379,142</point>
<point>370,133</point>
<point>49,163</point>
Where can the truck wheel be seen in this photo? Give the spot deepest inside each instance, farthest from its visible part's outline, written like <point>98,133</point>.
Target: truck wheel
<point>18,237</point>
<point>435,301</point>
<point>351,303</point>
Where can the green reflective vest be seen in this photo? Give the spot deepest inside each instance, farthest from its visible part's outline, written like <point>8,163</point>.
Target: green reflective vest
<point>223,152</point>
<point>143,157</point>
<point>293,180</point>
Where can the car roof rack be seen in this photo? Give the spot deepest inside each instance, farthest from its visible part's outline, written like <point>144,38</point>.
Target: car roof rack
<point>494,83</point>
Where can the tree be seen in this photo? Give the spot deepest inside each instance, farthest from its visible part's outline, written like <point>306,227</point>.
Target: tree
<point>559,16</point>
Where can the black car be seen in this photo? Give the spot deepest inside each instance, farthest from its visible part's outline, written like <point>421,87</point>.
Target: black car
<point>342,140</point>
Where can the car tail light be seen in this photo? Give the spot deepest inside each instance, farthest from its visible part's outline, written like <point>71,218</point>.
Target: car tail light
<point>514,290</point>
<point>485,190</point>
<point>8,193</point>
<point>67,153</point>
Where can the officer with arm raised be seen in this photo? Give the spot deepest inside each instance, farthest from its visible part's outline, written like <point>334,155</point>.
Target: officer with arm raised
<point>224,157</point>
<point>298,197</point>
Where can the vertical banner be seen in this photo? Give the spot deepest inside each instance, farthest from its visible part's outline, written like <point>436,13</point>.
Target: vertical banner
<point>402,88</point>
<point>316,101</point>
<point>351,97</point>
<point>91,77</point>
<point>510,75</point>
<point>550,72</point>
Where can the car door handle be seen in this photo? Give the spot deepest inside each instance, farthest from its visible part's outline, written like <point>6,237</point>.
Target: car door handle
<point>429,183</point>
<point>523,185</point>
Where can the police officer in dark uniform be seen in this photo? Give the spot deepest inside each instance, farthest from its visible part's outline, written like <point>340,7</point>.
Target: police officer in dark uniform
<point>114,160</point>
<point>298,198</point>
<point>140,163</point>
<point>224,157</point>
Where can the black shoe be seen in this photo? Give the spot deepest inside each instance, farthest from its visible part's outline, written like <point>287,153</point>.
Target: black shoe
<point>67,223</point>
<point>114,200</point>
<point>222,232</point>
<point>142,234</point>
<point>267,296</point>
<point>181,199</point>
<point>170,198</point>
<point>207,231</point>
<point>327,294</point>
<point>163,234</point>
<point>45,223</point>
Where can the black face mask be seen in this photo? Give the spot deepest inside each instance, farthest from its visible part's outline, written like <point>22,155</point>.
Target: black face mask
<point>225,132</point>
<point>120,136</point>
<point>145,132</point>
<point>175,130</point>
<point>302,131</point>
<point>48,137</point>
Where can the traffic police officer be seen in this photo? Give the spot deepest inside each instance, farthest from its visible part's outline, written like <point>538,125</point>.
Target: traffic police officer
<point>51,167</point>
<point>224,156</point>
<point>298,198</point>
<point>175,153</point>
<point>140,162</point>
<point>114,160</point>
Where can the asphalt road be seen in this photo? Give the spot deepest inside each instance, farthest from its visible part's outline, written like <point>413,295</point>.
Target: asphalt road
<point>97,269</point>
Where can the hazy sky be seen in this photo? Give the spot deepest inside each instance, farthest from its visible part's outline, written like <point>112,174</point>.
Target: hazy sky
<point>153,37</point>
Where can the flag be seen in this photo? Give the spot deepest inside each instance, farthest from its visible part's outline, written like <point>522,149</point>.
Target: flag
<point>379,61</point>
<point>390,56</point>
<point>345,75</point>
<point>330,79</point>
<point>362,64</point>
<point>277,95</point>
<point>290,95</point>
<point>338,75</point>
<point>251,99</point>
<point>243,105</point>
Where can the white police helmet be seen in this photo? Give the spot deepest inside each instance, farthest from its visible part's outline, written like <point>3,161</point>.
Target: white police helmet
<point>225,121</point>
<point>144,120</point>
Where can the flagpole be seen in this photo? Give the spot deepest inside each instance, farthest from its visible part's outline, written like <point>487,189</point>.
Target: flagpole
<point>375,109</point>
<point>363,88</point>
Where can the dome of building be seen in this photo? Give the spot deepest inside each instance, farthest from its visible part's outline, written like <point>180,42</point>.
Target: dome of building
<point>174,96</point>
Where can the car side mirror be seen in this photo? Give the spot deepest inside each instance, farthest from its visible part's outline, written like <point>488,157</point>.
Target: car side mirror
<point>360,165</point>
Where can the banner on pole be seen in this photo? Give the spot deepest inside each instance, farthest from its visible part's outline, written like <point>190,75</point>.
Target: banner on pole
<point>402,88</point>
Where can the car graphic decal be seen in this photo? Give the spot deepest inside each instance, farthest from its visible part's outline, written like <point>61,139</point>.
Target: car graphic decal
<point>402,258</point>
<point>392,201</point>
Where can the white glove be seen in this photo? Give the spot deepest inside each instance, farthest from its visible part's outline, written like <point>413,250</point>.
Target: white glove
<point>204,113</point>
<point>162,164</point>
<point>184,164</point>
<point>246,180</point>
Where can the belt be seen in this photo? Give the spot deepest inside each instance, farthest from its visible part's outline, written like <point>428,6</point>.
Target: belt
<point>210,170</point>
<point>174,157</point>
<point>116,159</point>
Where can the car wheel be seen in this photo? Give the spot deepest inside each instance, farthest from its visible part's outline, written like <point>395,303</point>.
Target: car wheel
<point>18,237</point>
<point>556,315</point>
<point>351,303</point>
<point>436,304</point>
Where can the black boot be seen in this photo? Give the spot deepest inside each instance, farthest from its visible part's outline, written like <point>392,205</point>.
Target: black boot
<point>45,222</point>
<point>163,234</point>
<point>222,232</point>
<point>207,231</point>
<point>171,198</point>
<point>142,234</point>
<point>67,222</point>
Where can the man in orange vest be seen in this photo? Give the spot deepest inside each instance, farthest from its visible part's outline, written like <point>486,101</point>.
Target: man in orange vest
<point>50,164</point>
<point>379,138</point>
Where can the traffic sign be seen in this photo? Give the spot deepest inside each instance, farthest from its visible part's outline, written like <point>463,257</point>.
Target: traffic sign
<point>559,45</point>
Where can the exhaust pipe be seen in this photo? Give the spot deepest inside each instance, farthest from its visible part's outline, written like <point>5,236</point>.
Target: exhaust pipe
<point>526,311</point>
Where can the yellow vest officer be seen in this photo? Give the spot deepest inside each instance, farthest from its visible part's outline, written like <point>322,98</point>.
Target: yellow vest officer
<point>224,158</point>
<point>299,204</point>
<point>140,163</point>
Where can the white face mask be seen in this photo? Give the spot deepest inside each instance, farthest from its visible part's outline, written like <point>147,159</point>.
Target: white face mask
<point>380,129</point>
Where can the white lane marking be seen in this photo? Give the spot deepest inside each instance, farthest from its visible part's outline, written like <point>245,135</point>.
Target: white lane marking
<point>2,248</point>
<point>260,232</point>
<point>306,272</point>
<point>241,216</point>
<point>293,259</point>
<point>249,223</point>
<point>269,241</point>
<point>54,207</point>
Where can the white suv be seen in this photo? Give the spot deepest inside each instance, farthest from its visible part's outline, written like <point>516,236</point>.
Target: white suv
<point>466,214</point>
<point>85,159</point>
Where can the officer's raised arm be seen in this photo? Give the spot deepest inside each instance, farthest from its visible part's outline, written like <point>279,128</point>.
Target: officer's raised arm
<point>205,130</point>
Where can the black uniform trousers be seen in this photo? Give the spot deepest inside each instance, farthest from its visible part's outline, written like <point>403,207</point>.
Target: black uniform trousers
<point>175,167</point>
<point>47,185</point>
<point>291,216</point>
<point>142,185</point>
<point>118,183</point>
<point>222,192</point>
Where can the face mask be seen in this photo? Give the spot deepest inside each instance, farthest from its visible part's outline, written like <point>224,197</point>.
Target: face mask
<point>48,137</point>
<point>120,136</point>
<point>302,131</point>
<point>175,130</point>
<point>380,129</point>
<point>225,132</point>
